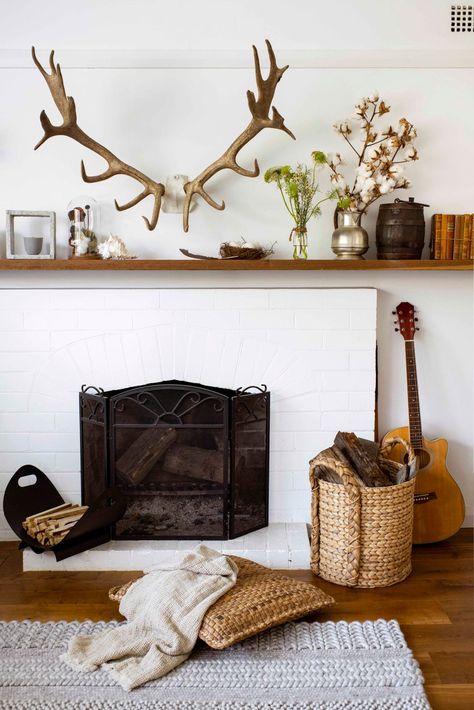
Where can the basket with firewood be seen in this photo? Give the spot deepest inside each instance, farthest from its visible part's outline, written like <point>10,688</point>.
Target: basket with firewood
<point>362,512</point>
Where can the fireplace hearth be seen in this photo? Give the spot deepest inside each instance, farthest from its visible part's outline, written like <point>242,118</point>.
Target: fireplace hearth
<point>191,460</point>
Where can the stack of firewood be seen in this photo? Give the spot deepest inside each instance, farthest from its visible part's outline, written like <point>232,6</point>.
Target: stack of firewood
<point>162,445</point>
<point>361,458</point>
<point>50,527</point>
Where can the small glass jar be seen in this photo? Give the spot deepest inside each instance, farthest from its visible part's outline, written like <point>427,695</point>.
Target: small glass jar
<point>83,213</point>
<point>299,239</point>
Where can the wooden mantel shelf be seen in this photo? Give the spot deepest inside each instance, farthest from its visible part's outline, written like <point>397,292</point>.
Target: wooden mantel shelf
<point>231,265</point>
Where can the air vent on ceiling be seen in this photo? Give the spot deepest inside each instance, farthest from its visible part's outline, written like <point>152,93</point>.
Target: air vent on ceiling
<point>462,18</point>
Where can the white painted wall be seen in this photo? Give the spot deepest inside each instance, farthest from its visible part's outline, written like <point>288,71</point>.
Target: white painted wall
<point>221,24</point>
<point>167,119</point>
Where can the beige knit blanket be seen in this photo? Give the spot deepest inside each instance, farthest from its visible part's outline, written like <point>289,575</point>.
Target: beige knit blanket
<point>164,610</point>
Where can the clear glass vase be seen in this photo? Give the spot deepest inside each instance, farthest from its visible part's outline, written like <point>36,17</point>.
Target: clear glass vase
<point>299,239</point>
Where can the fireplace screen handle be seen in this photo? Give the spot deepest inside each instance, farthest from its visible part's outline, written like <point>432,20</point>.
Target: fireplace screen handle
<point>262,389</point>
<point>95,390</point>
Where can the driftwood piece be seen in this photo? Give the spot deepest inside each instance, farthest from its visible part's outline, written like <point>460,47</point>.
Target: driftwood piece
<point>367,468</point>
<point>190,255</point>
<point>136,463</point>
<point>191,461</point>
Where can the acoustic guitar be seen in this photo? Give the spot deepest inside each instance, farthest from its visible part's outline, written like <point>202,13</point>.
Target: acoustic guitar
<point>439,504</point>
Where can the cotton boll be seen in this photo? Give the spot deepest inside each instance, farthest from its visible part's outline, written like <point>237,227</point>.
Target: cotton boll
<point>369,183</point>
<point>343,127</point>
<point>233,244</point>
<point>411,153</point>
<point>334,159</point>
<point>386,185</point>
<point>362,105</point>
<point>248,245</point>
<point>340,182</point>
<point>396,170</point>
<point>363,171</point>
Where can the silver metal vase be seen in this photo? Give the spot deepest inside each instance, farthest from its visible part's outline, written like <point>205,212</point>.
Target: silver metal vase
<point>349,239</point>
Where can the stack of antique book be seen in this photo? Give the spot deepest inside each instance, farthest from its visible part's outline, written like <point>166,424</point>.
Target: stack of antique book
<point>452,236</point>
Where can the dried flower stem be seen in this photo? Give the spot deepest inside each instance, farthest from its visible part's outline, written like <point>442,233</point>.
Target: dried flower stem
<point>378,172</point>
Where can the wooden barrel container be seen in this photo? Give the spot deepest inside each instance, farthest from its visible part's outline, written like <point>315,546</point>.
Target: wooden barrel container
<point>400,231</point>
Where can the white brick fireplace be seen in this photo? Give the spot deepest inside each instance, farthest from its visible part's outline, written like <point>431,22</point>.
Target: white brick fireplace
<point>313,348</point>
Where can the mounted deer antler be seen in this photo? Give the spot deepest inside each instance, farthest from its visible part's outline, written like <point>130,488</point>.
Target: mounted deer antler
<point>259,108</point>
<point>69,127</point>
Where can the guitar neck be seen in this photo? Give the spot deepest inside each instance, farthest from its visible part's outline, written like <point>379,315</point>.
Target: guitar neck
<point>414,417</point>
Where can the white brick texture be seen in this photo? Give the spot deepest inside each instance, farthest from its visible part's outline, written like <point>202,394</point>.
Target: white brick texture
<point>282,546</point>
<point>314,348</point>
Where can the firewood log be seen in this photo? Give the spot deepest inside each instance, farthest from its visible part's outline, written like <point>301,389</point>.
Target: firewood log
<point>191,461</point>
<point>72,509</point>
<point>136,463</point>
<point>51,511</point>
<point>325,471</point>
<point>367,469</point>
<point>339,454</point>
<point>49,527</point>
<point>395,471</point>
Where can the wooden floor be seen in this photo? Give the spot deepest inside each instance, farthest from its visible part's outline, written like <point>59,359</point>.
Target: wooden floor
<point>434,607</point>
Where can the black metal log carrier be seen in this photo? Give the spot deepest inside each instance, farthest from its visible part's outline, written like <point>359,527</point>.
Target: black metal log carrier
<point>192,461</point>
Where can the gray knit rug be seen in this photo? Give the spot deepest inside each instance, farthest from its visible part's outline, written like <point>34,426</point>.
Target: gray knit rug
<point>299,666</point>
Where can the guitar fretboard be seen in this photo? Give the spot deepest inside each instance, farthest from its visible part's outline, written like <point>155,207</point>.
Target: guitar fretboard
<point>414,418</point>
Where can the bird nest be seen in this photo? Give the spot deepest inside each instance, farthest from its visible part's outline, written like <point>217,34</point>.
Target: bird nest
<point>230,251</point>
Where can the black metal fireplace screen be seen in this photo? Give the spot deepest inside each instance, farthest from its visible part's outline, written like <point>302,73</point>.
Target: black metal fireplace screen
<point>192,461</point>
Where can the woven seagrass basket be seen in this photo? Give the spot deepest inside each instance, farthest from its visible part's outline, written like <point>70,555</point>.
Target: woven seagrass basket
<point>361,537</point>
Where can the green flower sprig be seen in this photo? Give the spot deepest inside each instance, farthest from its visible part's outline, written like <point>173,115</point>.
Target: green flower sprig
<point>299,189</point>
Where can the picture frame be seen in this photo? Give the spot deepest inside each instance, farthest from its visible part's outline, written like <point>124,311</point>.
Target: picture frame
<point>31,246</point>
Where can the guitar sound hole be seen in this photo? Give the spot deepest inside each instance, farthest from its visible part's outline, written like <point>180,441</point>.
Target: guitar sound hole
<point>423,458</point>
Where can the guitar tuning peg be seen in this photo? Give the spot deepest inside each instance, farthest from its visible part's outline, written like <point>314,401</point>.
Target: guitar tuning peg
<point>396,330</point>
<point>417,329</point>
<point>395,321</point>
<point>394,313</point>
<point>416,320</point>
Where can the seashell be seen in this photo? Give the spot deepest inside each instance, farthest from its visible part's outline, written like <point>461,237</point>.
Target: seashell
<point>114,248</point>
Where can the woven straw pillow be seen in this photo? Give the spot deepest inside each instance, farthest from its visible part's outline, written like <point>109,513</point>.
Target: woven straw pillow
<point>260,599</point>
